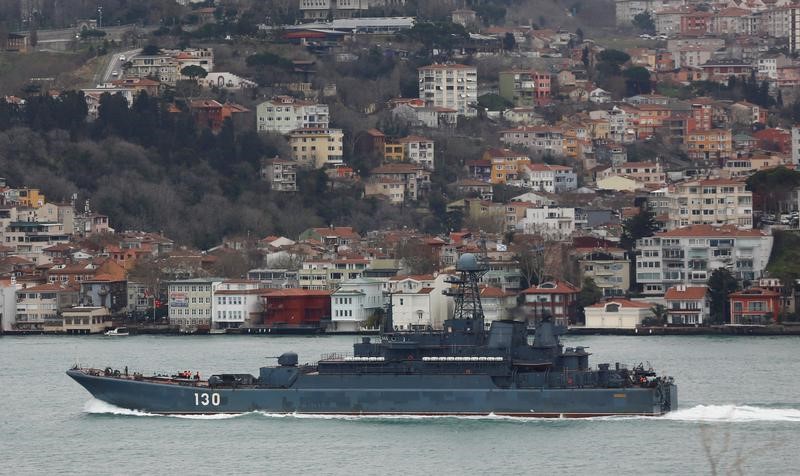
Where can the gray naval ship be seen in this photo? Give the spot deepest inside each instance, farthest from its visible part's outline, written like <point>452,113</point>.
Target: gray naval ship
<point>463,369</point>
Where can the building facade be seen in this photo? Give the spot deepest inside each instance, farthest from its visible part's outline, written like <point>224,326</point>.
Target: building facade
<point>453,86</point>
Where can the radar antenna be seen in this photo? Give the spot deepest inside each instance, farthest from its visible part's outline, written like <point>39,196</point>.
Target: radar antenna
<point>466,292</point>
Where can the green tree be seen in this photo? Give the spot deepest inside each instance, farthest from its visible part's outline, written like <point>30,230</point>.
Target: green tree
<point>721,283</point>
<point>637,81</point>
<point>641,225</point>
<point>509,42</point>
<point>589,294</point>
<point>774,186</point>
<point>615,57</point>
<point>660,312</point>
<point>193,72</point>
<point>151,50</point>
<point>494,102</point>
<point>644,22</point>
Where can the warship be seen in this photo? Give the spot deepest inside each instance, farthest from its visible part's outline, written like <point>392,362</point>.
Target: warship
<point>463,369</point>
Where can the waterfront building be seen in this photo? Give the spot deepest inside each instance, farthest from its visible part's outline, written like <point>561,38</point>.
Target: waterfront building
<point>85,320</point>
<point>757,306</point>
<point>38,307</point>
<point>236,303</point>
<point>298,308</point>
<point>617,313</point>
<point>190,302</point>
<point>354,303</point>
<point>687,304</point>
<point>418,301</point>
<point>689,255</point>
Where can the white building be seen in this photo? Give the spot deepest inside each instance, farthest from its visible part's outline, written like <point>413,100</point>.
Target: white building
<point>418,301</point>
<point>689,255</point>
<point>710,202</point>
<point>190,302</point>
<point>418,150</point>
<point>796,145</point>
<point>687,304</point>
<point>228,81</point>
<point>354,303</point>
<point>8,303</point>
<point>617,313</point>
<point>284,114</point>
<point>496,304</point>
<point>236,303</point>
<point>553,222</point>
<point>549,178</point>
<point>453,86</point>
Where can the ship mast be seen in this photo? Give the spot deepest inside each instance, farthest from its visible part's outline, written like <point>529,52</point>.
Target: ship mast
<point>467,294</point>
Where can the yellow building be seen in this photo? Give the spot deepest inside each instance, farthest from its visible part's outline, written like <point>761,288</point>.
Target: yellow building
<point>394,152</point>
<point>31,197</point>
<point>507,165</point>
<point>317,147</point>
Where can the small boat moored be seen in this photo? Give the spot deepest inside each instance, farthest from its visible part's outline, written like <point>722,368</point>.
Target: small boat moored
<point>118,331</point>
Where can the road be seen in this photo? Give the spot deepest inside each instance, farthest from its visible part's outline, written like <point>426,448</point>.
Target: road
<point>115,64</point>
<point>68,34</point>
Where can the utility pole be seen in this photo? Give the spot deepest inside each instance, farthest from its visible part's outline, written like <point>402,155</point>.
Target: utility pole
<point>99,16</point>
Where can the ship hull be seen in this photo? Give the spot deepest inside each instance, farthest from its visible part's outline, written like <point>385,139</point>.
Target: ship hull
<point>379,395</point>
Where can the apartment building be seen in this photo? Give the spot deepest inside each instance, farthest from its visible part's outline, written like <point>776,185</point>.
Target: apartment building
<point>709,145</point>
<point>415,178</point>
<point>453,86</point>
<point>710,202</point>
<point>525,87</point>
<point>418,150</point>
<point>284,114</point>
<point>689,255</point>
<point>542,141</point>
<point>506,165</point>
<point>317,148</point>
<point>280,174</point>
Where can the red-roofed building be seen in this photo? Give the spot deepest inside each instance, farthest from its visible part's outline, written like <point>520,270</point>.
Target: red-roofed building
<point>754,306</point>
<point>557,299</point>
<point>496,304</point>
<point>687,304</point>
<point>617,313</point>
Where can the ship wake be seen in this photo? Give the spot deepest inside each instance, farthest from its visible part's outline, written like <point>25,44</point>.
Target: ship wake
<point>698,414</point>
<point>734,414</point>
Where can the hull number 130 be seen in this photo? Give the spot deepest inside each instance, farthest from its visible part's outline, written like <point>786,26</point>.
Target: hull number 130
<point>206,399</point>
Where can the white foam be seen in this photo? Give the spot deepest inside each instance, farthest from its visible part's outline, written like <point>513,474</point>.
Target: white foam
<point>699,413</point>
<point>100,407</point>
<point>734,414</point>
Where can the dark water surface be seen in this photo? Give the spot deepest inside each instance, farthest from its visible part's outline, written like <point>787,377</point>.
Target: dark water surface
<point>739,412</point>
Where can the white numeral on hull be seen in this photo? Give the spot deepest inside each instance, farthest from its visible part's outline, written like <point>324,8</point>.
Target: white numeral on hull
<point>206,399</point>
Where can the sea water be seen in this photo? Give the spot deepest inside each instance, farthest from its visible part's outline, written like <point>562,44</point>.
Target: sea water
<point>739,412</point>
